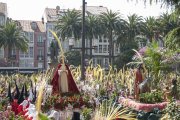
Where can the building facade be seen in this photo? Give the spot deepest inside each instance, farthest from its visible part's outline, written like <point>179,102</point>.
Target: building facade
<point>36,55</point>
<point>3,13</point>
<point>100,53</point>
<point>49,19</point>
<point>3,19</point>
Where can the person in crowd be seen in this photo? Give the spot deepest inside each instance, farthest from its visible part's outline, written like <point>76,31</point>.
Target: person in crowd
<point>138,80</point>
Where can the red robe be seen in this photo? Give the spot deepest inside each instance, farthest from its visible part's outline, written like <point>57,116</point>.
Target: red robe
<point>72,88</point>
<point>138,80</point>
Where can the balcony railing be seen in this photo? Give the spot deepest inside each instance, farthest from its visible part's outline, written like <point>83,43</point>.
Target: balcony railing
<point>40,57</point>
<point>40,44</point>
<point>13,57</point>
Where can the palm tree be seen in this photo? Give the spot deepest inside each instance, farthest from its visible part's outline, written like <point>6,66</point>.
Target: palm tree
<point>110,24</point>
<point>150,27</point>
<point>11,36</point>
<point>172,40</point>
<point>69,24</point>
<point>92,29</point>
<point>127,34</point>
<point>135,26</point>
<point>167,23</point>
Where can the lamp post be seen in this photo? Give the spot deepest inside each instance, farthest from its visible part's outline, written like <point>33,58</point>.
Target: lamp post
<point>83,48</point>
<point>83,42</point>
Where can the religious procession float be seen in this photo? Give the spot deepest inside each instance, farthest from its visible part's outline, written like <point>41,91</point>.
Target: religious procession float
<point>150,92</point>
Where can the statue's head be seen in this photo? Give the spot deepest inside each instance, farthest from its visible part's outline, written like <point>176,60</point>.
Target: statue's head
<point>61,58</point>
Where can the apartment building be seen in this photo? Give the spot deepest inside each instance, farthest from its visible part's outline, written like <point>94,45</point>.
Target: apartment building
<point>3,18</point>
<point>100,53</point>
<point>49,19</point>
<point>3,13</point>
<point>36,55</point>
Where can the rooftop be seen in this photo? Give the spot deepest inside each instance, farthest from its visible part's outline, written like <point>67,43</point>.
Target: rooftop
<point>51,13</point>
<point>26,25</point>
<point>96,10</point>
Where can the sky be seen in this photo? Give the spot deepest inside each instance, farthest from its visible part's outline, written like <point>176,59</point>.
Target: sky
<point>34,9</point>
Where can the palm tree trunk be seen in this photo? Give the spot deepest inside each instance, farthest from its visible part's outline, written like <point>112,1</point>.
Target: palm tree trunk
<point>110,48</point>
<point>9,54</point>
<point>112,53</point>
<point>90,48</point>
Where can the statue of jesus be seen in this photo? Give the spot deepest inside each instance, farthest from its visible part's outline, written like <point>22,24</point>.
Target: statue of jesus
<point>63,81</point>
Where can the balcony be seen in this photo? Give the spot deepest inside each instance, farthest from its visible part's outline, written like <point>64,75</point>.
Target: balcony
<point>40,57</point>
<point>13,57</point>
<point>40,44</point>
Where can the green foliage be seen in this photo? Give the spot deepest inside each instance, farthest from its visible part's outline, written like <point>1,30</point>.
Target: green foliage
<point>13,117</point>
<point>124,58</point>
<point>73,57</point>
<point>11,36</point>
<point>153,60</point>
<point>102,92</point>
<point>43,117</point>
<point>153,97</point>
<point>126,55</point>
<point>86,113</point>
<point>172,40</point>
<point>69,24</point>
<point>3,102</point>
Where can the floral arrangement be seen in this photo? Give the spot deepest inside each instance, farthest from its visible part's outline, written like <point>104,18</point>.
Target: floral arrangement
<point>68,102</point>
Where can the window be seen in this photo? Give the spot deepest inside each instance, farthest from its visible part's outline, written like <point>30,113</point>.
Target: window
<point>99,61</point>
<point>40,52</point>
<point>50,34</point>
<point>100,39</point>
<point>105,40</point>
<point>1,52</point>
<point>26,34</point>
<point>96,50</point>
<point>50,27</point>
<point>104,48</point>
<point>2,20</point>
<point>34,25</point>
<point>21,54</point>
<point>31,37</point>
<point>106,62</point>
<point>100,48</point>
<point>26,63</point>
<point>27,54</point>
<point>40,40</point>
<point>40,65</point>
<point>31,51</point>
<point>13,52</point>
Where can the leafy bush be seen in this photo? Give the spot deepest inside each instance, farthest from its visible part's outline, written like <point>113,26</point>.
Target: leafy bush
<point>73,57</point>
<point>153,97</point>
